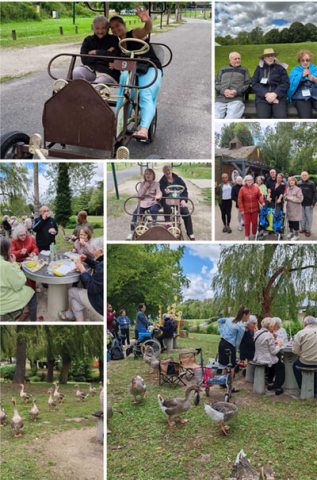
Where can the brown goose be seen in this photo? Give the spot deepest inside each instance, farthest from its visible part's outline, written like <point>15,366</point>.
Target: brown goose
<point>23,395</point>
<point>150,358</point>
<point>221,412</point>
<point>3,416</point>
<point>138,388</point>
<point>34,412</point>
<point>17,421</point>
<point>176,406</point>
<point>79,394</point>
<point>51,403</point>
<point>243,470</point>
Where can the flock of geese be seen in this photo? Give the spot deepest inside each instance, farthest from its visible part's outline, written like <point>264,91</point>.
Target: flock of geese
<point>55,397</point>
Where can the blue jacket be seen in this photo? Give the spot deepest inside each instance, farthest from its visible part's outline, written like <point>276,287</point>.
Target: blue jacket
<point>141,321</point>
<point>124,321</point>
<point>296,76</point>
<point>278,81</point>
<point>232,332</point>
<point>94,284</point>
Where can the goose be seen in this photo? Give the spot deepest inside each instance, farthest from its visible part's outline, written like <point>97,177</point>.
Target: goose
<point>80,395</point>
<point>34,412</point>
<point>92,390</point>
<point>242,470</point>
<point>176,406</point>
<point>138,388</point>
<point>59,396</point>
<point>3,416</point>
<point>17,421</point>
<point>51,403</point>
<point>150,358</point>
<point>220,412</point>
<point>23,395</point>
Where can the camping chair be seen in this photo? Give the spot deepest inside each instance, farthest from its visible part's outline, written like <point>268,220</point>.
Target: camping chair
<point>188,363</point>
<point>171,372</point>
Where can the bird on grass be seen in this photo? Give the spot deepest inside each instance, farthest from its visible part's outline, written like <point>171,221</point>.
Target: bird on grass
<point>79,394</point>
<point>92,390</point>
<point>221,412</point>
<point>57,395</point>
<point>34,412</point>
<point>52,405</point>
<point>174,407</point>
<point>243,470</point>
<point>23,395</point>
<point>3,416</point>
<point>17,420</point>
<point>138,388</point>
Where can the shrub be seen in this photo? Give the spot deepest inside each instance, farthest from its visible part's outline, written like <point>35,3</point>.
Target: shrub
<point>81,371</point>
<point>185,327</point>
<point>7,372</point>
<point>212,329</point>
<point>35,379</point>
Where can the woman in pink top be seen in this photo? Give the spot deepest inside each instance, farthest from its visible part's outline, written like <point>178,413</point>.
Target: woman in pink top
<point>150,195</point>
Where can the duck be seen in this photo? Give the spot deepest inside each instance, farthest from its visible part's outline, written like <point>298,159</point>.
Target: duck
<point>243,470</point>
<point>51,403</point>
<point>176,406</point>
<point>220,412</point>
<point>150,358</point>
<point>3,416</point>
<point>138,388</point>
<point>80,395</point>
<point>34,412</point>
<point>92,390</point>
<point>23,395</point>
<point>59,396</point>
<point>17,420</point>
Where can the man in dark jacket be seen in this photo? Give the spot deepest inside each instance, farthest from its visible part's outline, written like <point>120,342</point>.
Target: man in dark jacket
<point>100,43</point>
<point>168,179</point>
<point>45,228</point>
<point>310,197</point>
<point>232,82</point>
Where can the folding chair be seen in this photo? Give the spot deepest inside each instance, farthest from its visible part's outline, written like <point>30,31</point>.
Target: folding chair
<point>188,362</point>
<point>171,372</point>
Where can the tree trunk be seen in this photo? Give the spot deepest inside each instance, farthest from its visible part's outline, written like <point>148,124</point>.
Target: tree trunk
<point>36,187</point>
<point>65,368</point>
<point>50,370</point>
<point>19,375</point>
<point>168,15</point>
<point>100,369</point>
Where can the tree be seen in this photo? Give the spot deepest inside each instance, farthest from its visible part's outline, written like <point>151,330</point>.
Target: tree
<point>276,146</point>
<point>14,180</point>
<point>272,36</point>
<point>80,175</point>
<point>297,32</point>
<point>63,209</point>
<point>149,274</point>
<point>36,186</point>
<point>241,130</point>
<point>265,278</point>
<point>256,36</point>
<point>95,204</point>
<point>285,36</point>
<point>311,32</point>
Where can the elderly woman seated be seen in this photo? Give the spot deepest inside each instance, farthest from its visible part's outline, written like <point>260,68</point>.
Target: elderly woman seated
<point>89,298</point>
<point>279,332</point>
<point>14,293</point>
<point>247,347</point>
<point>305,346</point>
<point>267,352</point>
<point>22,245</point>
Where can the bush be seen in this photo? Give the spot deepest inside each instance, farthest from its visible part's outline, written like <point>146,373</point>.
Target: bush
<point>81,371</point>
<point>7,372</point>
<point>18,11</point>
<point>186,327</point>
<point>212,329</point>
<point>35,379</point>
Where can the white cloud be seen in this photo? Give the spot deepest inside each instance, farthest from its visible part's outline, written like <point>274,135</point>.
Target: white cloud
<point>232,18</point>
<point>212,252</point>
<point>199,288</point>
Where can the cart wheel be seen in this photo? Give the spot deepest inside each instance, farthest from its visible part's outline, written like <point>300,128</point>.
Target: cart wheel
<point>9,142</point>
<point>227,397</point>
<point>152,129</point>
<point>155,344</point>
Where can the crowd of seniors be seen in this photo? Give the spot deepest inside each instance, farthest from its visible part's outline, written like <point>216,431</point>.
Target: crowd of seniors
<point>274,89</point>
<point>296,199</point>
<point>264,346</point>
<point>26,239</point>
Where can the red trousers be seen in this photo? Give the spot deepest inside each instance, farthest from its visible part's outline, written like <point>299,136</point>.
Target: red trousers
<point>250,219</point>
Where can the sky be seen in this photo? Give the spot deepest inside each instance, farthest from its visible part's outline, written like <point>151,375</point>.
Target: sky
<point>232,18</point>
<point>199,264</point>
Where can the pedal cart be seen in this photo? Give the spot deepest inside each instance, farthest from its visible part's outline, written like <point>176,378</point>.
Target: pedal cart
<point>166,226</point>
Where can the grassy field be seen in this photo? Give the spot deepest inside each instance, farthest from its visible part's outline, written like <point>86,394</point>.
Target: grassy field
<point>67,246</point>
<point>120,166</point>
<point>199,170</point>
<point>21,457</point>
<point>250,54</point>
<point>268,428</point>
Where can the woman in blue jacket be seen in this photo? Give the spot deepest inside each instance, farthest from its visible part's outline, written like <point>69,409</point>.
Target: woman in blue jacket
<point>303,85</point>
<point>270,83</point>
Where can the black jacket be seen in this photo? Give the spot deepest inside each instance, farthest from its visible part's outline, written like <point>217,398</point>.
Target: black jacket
<point>176,181</point>
<point>277,81</point>
<point>235,193</point>
<point>94,284</point>
<point>247,346</point>
<point>101,45</point>
<point>167,329</point>
<point>43,237</point>
<point>309,191</point>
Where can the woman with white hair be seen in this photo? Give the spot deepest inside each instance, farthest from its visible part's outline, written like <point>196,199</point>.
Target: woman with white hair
<point>267,352</point>
<point>305,346</point>
<point>249,199</point>
<point>22,245</point>
<point>234,195</point>
<point>280,332</point>
<point>247,347</point>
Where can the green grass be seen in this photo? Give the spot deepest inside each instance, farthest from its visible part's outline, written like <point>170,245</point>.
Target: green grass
<point>65,246</point>
<point>9,78</point>
<point>115,207</point>
<point>250,54</point>
<point>199,170</point>
<point>121,166</point>
<point>19,459</point>
<point>280,430</point>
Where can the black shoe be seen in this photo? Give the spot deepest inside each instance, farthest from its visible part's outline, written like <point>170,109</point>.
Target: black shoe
<point>229,230</point>
<point>225,229</point>
<point>279,391</point>
<point>270,386</point>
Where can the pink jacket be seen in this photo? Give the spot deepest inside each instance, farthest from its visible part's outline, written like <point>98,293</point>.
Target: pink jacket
<point>151,191</point>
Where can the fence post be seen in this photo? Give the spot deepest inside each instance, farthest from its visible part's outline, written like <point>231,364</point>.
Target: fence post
<point>14,34</point>
<point>61,30</point>
<point>76,29</point>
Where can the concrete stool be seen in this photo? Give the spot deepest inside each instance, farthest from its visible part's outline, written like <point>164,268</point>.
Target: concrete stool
<point>175,342</point>
<point>308,379</point>
<point>249,375</point>
<point>259,378</point>
<point>168,342</point>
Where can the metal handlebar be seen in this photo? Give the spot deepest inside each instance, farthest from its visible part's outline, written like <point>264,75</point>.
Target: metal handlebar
<point>188,200</point>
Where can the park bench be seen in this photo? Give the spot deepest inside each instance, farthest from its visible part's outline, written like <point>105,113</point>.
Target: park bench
<point>308,378</point>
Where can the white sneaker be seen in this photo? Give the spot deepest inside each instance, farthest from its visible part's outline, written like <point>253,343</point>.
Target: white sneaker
<point>290,235</point>
<point>129,237</point>
<point>295,237</point>
<point>240,228</point>
<point>246,239</point>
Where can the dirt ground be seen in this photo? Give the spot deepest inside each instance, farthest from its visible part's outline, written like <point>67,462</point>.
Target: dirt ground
<point>118,227</point>
<point>80,458</point>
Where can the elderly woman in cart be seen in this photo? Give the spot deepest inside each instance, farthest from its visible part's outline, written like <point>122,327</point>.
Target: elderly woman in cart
<point>293,197</point>
<point>145,73</point>
<point>249,198</point>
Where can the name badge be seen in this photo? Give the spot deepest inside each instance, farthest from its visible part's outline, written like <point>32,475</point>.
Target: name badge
<point>264,80</point>
<point>306,92</point>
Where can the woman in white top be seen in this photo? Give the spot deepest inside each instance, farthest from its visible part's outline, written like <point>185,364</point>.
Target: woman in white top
<point>224,196</point>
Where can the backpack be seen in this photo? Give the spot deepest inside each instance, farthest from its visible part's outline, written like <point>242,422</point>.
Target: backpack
<point>116,351</point>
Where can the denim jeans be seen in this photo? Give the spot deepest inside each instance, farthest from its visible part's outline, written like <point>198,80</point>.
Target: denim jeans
<point>153,211</point>
<point>307,216</point>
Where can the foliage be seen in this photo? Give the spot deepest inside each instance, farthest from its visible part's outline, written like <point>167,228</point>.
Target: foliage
<point>7,372</point>
<point>14,181</point>
<point>81,370</point>
<point>95,204</point>
<point>80,175</point>
<point>265,278</point>
<point>63,195</point>
<point>212,329</point>
<point>149,274</point>
<point>240,130</point>
<point>200,309</point>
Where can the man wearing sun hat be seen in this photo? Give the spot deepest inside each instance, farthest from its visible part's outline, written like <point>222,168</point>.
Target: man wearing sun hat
<point>270,83</point>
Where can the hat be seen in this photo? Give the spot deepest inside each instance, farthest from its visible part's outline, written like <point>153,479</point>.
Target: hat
<point>268,51</point>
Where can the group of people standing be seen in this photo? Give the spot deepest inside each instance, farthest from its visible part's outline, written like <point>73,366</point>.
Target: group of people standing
<point>297,199</point>
<point>264,346</point>
<point>272,86</point>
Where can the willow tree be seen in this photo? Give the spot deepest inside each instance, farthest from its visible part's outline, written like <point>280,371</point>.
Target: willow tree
<point>269,279</point>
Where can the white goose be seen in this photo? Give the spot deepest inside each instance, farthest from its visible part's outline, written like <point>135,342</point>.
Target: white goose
<point>34,412</point>
<point>17,420</point>
<point>23,395</point>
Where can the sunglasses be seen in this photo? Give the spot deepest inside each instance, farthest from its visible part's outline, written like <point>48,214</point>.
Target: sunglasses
<point>305,60</point>
<point>269,56</point>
